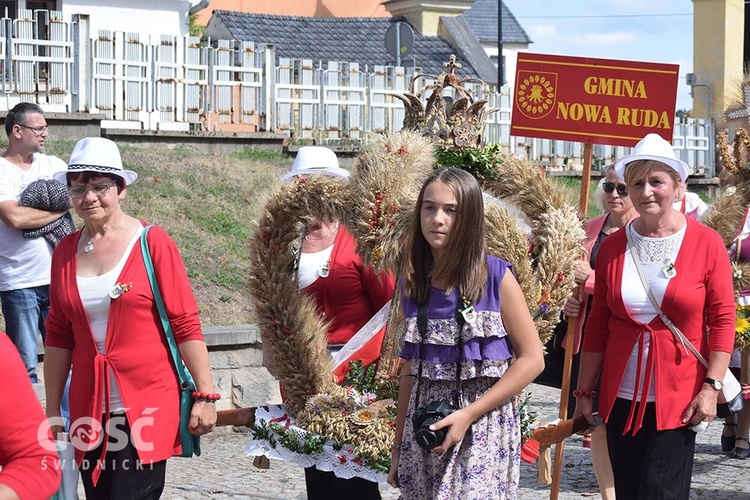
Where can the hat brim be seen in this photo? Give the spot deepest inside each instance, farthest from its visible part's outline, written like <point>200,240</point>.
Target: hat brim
<point>678,166</point>
<point>330,172</point>
<point>128,175</point>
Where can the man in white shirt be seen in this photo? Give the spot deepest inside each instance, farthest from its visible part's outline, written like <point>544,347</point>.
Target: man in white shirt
<point>25,262</point>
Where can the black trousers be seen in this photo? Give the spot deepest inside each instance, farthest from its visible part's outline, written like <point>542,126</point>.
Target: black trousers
<point>652,465</point>
<point>326,486</point>
<point>122,477</point>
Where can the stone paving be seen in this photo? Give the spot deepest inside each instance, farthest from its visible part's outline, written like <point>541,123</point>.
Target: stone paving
<point>223,471</point>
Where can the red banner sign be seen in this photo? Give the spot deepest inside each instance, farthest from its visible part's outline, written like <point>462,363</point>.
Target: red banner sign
<point>602,101</point>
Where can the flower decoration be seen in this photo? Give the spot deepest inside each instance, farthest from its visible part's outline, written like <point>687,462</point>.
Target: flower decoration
<point>742,322</point>
<point>363,417</point>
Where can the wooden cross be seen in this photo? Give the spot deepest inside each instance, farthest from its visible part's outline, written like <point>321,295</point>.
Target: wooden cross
<point>452,65</point>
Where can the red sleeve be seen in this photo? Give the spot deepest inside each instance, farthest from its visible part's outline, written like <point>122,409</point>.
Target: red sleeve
<point>58,326</point>
<point>29,463</point>
<point>179,301</point>
<point>379,287</point>
<point>597,322</point>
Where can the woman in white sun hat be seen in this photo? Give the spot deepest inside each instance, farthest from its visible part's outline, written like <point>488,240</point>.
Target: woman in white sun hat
<point>652,390</point>
<point>347,293</point>
<point>104,321</point>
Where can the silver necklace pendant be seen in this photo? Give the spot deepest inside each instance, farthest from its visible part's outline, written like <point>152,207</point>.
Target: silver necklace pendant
<point>89,247</point>
<point>325,270</point>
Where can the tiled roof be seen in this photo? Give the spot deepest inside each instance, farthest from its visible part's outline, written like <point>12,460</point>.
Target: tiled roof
<point>482,18</point>
<point>348,39</point>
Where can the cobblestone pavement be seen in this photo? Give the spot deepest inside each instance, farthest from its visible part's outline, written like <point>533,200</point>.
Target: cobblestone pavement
<point>223,471</point>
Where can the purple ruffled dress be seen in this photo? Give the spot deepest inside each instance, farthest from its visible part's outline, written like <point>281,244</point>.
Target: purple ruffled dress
<point>486,464</point>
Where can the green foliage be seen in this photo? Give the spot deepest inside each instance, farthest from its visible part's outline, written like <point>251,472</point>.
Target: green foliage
<point>363,379</point>
<point>381,463</point>
<point>528,417</point>
<point>572,187</point>
<point>481,163</point>
<point>195,29</point>
<point>263,432</point>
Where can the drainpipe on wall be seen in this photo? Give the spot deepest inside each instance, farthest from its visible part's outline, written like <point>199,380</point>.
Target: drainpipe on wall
<point>198,7</point>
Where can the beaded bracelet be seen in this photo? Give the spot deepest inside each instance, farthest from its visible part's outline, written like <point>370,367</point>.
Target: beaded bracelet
<point>206,397</point>
<point>583,394</point>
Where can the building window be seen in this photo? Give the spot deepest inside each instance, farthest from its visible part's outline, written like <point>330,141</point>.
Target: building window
<point>43,5</point>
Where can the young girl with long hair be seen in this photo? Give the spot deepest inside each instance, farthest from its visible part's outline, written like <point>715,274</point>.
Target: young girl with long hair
<point>470,347</point>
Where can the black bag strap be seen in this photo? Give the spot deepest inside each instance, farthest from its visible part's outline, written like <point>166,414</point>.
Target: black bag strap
<point>422,328</point>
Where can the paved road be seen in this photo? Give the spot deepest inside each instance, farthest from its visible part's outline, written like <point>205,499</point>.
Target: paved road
<point>223,471</point>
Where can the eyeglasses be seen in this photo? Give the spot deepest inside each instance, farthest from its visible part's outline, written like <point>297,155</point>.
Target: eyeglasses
<point>100,190</point>
<point>37,130</point>
<point>622,189</point>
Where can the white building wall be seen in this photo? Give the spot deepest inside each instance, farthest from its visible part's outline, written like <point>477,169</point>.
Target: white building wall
<point>152,17</point>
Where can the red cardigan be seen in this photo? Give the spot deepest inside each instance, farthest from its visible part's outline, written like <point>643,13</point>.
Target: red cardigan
<point>699,298</point>
<point>136,349</point>
<point>29,461</point>
<point>351,293</point>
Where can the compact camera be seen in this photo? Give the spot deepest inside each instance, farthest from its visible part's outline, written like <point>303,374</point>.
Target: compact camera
<point>424,417</point>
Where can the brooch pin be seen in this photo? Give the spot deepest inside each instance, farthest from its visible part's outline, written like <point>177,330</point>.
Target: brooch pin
<point>468,312</point>
<point>325,270</point>
<point>119,289</point>
<point>669,271</point>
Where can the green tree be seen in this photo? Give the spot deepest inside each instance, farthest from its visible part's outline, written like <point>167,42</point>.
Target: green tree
<point>196,29</point>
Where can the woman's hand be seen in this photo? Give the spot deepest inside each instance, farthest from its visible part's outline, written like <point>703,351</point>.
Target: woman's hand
<point>572,307</point>
<point>581,270</point>
<point>459,422</point>
<point>202,418</point>
<point>702,408</point>
<point>584,406</point>
<point>393,473</point>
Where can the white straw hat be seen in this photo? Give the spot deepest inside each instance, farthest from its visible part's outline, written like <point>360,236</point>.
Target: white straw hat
<point>96,154</point>
<point>653,147</point>
<point>316,160</point>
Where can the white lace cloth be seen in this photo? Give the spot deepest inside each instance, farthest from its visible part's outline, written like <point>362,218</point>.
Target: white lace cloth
<point>651,250</point>
<point>344,463</point>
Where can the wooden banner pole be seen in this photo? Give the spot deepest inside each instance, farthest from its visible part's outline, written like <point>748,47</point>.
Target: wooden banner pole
<point>570,335</point>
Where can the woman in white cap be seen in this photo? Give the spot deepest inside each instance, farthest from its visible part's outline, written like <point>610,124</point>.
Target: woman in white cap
<point>653,391</point>
<point>103,319</point>
<point>348,293</point>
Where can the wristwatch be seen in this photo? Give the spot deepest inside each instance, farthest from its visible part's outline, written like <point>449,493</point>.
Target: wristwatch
<point>717,385</point>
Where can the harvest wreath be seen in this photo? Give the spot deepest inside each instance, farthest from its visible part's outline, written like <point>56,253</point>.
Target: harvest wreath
<point>728,216</point>
<point>377,206</point>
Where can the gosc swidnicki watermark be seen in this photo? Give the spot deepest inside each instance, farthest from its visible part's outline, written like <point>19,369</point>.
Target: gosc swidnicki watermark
<point>87,433</point>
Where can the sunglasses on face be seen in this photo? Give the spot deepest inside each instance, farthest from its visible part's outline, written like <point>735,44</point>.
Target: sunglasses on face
<point>622,189</point>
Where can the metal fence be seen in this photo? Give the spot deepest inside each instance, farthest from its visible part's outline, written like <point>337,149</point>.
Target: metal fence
<point>177,83</point>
